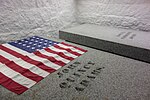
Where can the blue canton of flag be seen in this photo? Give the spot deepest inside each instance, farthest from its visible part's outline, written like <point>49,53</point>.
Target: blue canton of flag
<point>33,44</point>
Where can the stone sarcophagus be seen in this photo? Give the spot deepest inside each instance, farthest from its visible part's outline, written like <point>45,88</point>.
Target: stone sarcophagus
<point>128,43</point>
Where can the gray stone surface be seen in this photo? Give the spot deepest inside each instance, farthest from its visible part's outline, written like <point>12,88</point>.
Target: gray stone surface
<point>129,43</point>
<point>119,79</point>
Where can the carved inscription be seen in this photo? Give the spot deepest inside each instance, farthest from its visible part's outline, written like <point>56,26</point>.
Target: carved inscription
<point>124,35</point>
<point>82,76</point>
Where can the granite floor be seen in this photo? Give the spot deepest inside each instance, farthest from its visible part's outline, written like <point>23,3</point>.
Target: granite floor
<point>96,75</point>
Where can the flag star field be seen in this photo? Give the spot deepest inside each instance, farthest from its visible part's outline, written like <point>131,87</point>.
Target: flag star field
<point>32,44</point>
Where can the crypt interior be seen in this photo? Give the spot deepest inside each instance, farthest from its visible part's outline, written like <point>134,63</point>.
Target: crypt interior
<point>115,33</point>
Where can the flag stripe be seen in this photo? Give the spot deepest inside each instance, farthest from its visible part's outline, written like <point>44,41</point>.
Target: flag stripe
<point>69,50</point>
<point>24,64</point>
<point>28,59</point>
<point>45,61</point>
<point>12,52</point>
<point>25,72</point>
<point>39,64</point>
<point>63,51</point>
<point>73,46</point>
<point>12,85</point>
<point>15,76</point>
<point>7,55</point>
<point>16,49</point>
<point>44,52</point>
<point>59,53</point>
<point>52,59</point>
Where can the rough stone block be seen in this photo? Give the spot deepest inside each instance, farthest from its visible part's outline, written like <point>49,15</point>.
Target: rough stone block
<point>129,43</point>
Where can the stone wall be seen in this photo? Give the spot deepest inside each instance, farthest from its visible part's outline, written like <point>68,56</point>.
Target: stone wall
<point>133,14</point>
<point>21,18</point>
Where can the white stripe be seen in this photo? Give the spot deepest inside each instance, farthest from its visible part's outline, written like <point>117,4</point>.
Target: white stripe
<point>72,48</point>
<point>44,61</point>
<point>7,55</point>
<point>57,57</point>
<point>24,64</point>
<point>63,51</point>
<point>16,49</point>
<point>15,76</point>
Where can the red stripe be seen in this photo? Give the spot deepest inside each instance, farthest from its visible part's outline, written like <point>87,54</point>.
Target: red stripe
<point>3,60</point>
<point>16,54</point>
<point>27,59</point>
<point>38,64</point>
<point>11,85</point>
<point>69,50</point>
<point>59,53</point>
<point>52,59</point>
<point>25,72</point>
<point>74,47</point>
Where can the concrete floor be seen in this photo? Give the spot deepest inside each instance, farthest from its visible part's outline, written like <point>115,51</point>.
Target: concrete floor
<point>108,77</point>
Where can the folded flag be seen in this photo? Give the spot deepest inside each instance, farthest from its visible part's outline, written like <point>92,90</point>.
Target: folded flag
<point>25,62</point>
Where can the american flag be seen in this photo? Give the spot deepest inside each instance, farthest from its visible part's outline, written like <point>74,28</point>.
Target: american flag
<point>25,62</point>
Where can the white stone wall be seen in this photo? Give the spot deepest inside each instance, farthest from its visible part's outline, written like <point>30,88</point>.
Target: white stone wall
<point>134,14</point>
<point>20,18</point>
